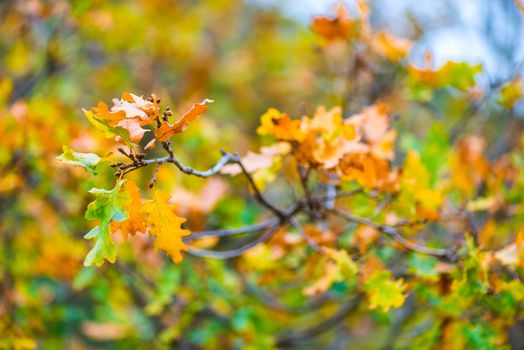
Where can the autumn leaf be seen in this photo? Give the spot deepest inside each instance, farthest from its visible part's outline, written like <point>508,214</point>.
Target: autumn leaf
<point>415,188</point>
<point>166,130</point>
<point>109,131</point>
<point>520,5</point>
<point>460,75</point>
<point>107,207</point>
<point>383,291</point>
<point>112,117</point>
<point>365,236</point>
<point>280,126</point>
<point>338,267</point>
<point>391,47</point>
<point>130,113</point>
<point>339,28</point>
<point>165,226</point>
<point>136,132</point>
<point>511,92</point>
<point>513,254</point>
<point>88,161</point>
<point>135,221</point>
<point>137,108</point>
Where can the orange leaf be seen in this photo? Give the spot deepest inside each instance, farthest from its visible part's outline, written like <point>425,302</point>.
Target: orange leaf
<point>165,226</point>
<point>135,221</point>
<point>364,236</point>
<point>339,28</point>
<point>166,130</point>
<point>103,112</point>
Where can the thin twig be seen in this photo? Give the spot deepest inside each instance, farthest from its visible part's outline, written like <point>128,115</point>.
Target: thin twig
<point>258,194</point>
<point>391,231</point>
<point>294,222</point>
<point>304,179</point>
<point>232,231</point>
<point>288,339</point>
<point>228,254</point>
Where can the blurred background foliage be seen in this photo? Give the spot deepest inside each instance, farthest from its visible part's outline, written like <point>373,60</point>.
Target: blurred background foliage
<point>58,57</point>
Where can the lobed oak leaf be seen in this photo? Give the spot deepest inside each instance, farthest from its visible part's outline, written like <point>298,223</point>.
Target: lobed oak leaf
<point>109,206</point>
<point>383,291</point>
<point>342,27</point>
<point>136,107</point>
<point>365,236</point>
<point>118,132</point>
<point>338,267</point>
<point>415,188</point>
<point>166,130</point>
<point>136,132</point>
<point>368,171</point>
<point>102,111</point>
<point>165,226</point>
<point>391,47</point>
<point>280,126</point>
<point>130,113</point>
<point>88,161</point>
<point>135,221</point>
<point>325,123</point>
<point>511,92</point>
<point>460,75</point>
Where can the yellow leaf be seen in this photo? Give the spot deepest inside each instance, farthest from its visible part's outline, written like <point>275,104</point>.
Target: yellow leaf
<point>280,125</point>
<point>391,47</point>
<point>165,226</point>
<point>384,292</point>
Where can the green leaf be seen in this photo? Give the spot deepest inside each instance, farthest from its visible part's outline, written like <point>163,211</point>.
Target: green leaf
<point>107,207</point>
<point>435,152</point>
<point>108,130</point>
<point>481,336</point>
<point>460,75</point>
<point>423,266</point>
<point>88,161</point>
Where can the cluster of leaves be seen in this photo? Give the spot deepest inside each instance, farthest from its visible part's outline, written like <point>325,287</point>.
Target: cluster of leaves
<point>397,225</point>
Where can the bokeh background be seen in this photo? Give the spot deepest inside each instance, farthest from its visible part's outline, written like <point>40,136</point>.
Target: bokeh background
<point>58,57</point>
